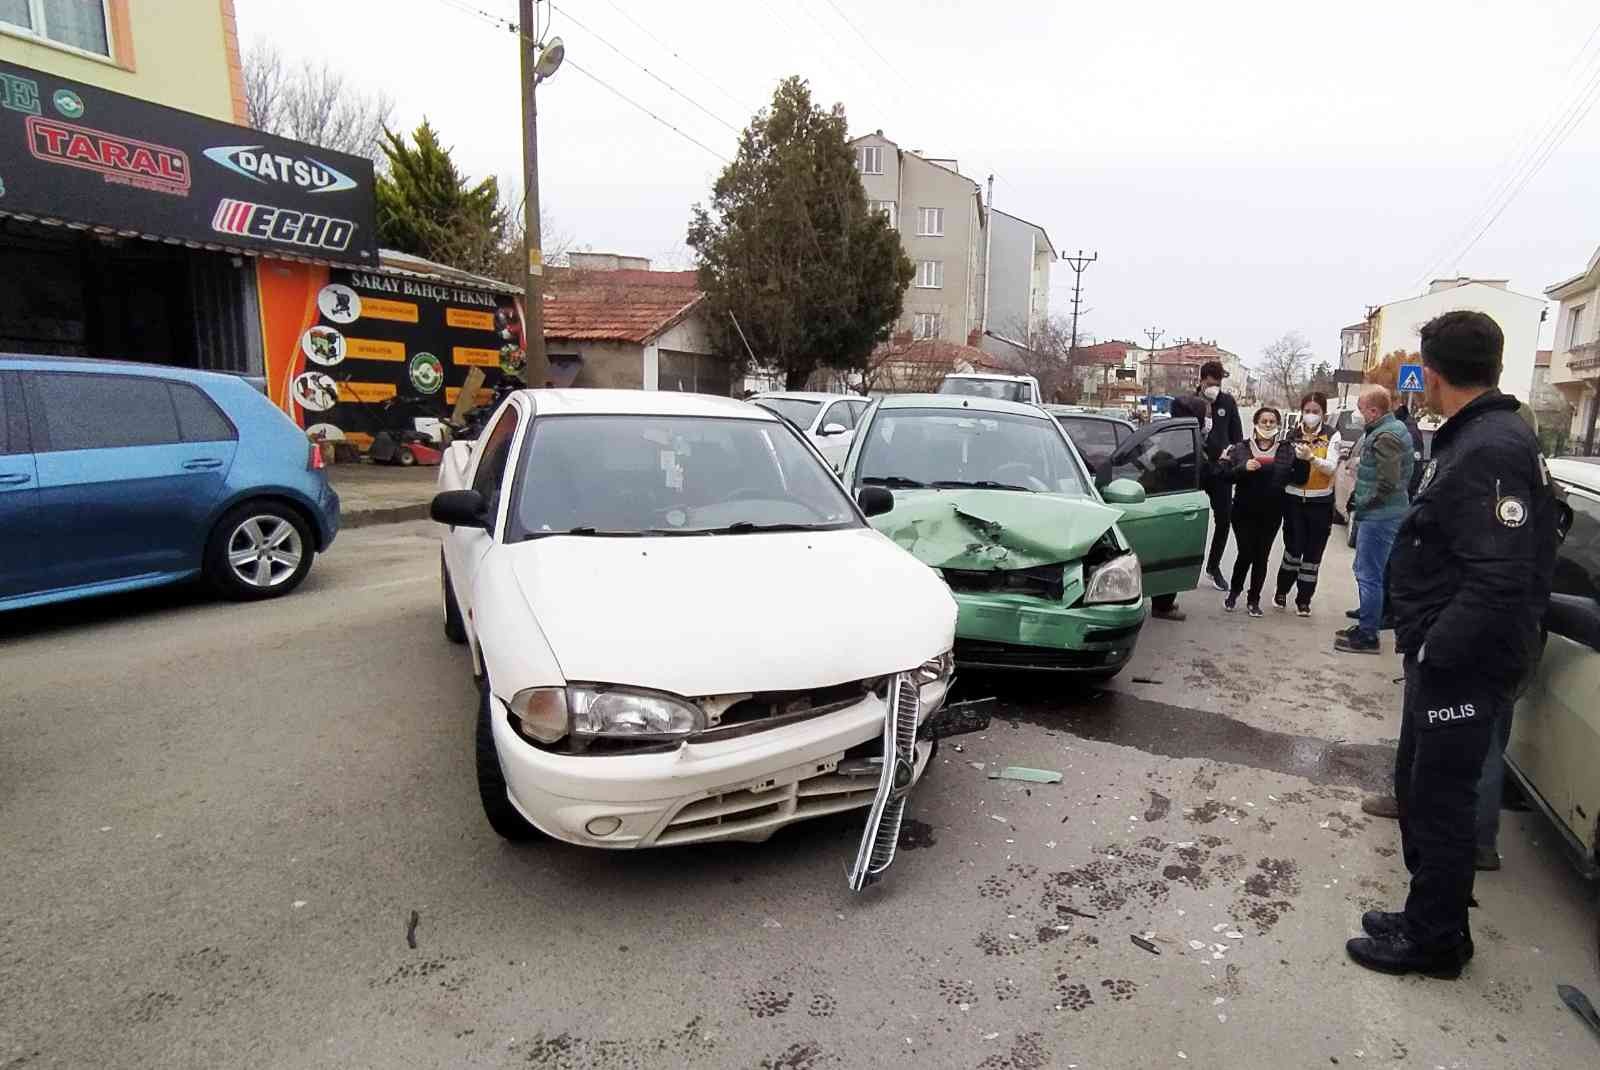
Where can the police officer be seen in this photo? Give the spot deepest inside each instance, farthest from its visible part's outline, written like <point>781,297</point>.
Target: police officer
<point>1471,572</point>
<point>1222,429</point>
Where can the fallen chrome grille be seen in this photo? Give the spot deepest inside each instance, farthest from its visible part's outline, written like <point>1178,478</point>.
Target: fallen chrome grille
<point>813,794</point>
<point>882,834</point>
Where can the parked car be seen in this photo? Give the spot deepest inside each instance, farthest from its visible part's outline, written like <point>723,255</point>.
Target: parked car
<point>1555,733</point>
<point>685,630</point>
<point>829,420</point>
<point>1051,564</point>
<point>1023,388</point>
<point>117,476</point>
<point>1094,432</point>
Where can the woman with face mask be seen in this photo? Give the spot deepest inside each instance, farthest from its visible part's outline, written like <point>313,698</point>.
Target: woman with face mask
<point>1259,468</point>
<point>1308,505</point>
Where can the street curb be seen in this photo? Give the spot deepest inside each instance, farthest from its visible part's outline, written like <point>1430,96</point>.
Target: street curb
<point>399,514</point>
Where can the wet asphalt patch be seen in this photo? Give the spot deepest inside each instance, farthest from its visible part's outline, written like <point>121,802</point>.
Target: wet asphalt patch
<point>1180,732</point>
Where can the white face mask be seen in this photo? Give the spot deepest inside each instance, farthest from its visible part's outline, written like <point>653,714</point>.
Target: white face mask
<point>1211,392</point>
<point>1312,420</point>
<point>1264,435</point>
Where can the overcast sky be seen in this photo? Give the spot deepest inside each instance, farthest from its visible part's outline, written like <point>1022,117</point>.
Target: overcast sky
<point>1243,168</point>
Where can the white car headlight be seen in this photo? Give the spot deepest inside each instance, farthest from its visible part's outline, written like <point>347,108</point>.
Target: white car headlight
<point>1117,580</point>
<point>589,712</point>
<point>933,680</point>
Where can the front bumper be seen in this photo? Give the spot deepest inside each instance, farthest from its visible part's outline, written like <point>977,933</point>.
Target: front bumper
<point>744,788</point>
<point>1015,631</point>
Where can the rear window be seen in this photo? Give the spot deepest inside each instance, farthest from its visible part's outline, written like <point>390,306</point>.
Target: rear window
<point>1095,439</point>
<point>199,419</point>
<point>999,389</point>
<point>99,412</point>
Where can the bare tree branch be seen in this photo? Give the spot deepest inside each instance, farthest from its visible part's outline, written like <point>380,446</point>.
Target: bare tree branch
<point>313,103</point>
<point>1283,366</point>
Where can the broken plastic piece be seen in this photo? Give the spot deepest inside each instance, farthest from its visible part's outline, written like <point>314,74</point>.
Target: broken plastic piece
<point>1147,945</point>
<point>1032,776</point>
<point>1580,1006</point>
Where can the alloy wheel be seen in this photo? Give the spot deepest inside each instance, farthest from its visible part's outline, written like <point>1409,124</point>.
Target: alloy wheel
<point>264,551</point>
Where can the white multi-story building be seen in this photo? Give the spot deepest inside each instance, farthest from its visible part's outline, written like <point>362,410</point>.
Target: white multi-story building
<point>1394,327</point>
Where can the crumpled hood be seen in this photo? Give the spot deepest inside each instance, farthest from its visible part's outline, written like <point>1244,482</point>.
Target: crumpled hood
<point>727,614</point>
<point>991,530</point>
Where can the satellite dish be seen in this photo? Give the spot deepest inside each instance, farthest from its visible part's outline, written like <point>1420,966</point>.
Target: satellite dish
<point>550,58</point>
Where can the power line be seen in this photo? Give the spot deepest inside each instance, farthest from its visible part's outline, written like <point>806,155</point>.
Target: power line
<point>864,38</point>
<point>675,55</point>
<point>645,69</point>
<point>1525,150</point>
<point>569,62</point>
<point>647,111</point>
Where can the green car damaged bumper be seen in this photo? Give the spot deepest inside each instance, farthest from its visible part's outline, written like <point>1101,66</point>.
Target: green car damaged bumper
<point>1013,631</point>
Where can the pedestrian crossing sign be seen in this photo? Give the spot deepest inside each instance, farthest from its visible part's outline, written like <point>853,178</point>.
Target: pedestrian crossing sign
<point>1410,378</point>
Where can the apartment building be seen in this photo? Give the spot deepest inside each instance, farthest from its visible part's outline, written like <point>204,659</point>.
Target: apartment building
<point>941,218</point>
<point>1020,254</point>
<point>1394,327</point>
<point>1353,343</point>
<point>1575,359</point>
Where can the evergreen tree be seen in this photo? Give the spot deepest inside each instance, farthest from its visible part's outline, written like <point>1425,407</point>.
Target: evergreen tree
<point>426,208</point>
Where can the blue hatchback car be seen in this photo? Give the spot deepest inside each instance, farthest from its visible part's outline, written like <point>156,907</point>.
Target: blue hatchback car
<point>116,476</point>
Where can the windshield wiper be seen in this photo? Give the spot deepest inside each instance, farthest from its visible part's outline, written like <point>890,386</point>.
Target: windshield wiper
<point>982,484</point>
<point>891,481</point>
<point>745,527</point>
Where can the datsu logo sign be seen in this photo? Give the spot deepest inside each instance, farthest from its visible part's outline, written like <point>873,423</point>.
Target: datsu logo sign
<point>259,165</point>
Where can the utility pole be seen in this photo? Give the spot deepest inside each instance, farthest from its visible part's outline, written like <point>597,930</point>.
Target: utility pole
<point>537,369</point>
<point>1078,263</point>
<point>1154,334</point>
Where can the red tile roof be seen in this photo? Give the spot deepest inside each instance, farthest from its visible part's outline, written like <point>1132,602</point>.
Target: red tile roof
<point>1190,353</point>
<point>616,306</point>
<point>938,351</point>
<point>1109,353</point>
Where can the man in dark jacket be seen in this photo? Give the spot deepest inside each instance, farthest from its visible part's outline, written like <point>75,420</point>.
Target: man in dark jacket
<point>1223,428</point>
<point>1470,575</point>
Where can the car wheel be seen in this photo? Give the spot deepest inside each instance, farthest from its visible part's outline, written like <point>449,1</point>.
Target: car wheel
<point>503,817</point>
<point>258,550</point>
<point>455,629</point>
<point>404,457</point>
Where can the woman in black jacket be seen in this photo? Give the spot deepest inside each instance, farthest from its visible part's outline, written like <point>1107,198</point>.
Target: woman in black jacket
<point>1259,468</point>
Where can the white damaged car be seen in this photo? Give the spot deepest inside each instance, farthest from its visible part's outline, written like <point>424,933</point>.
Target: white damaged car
<point>684,628</point>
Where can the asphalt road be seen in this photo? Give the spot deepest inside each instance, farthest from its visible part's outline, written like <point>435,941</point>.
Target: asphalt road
<point>217,823</point>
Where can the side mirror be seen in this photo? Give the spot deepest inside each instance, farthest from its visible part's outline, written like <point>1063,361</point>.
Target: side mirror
<point>875,501</point>
<point>460,509</point>
<point>1122,492</point>
<point>833,429</point>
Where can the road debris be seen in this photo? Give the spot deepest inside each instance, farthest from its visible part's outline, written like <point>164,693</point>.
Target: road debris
<point>1140,941</point>
<point>1031,776</point>
<point>1145,680</point>
<point>1075,913</point>
<point>999,817</point>
<point>411,930</point>
<point>1581,1006</point>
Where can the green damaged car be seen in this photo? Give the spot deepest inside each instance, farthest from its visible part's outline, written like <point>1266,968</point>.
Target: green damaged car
<point>1052,564</point>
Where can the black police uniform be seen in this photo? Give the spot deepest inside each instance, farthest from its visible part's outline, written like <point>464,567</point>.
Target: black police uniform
<point>1470,575</point>
<point>1226,430</point>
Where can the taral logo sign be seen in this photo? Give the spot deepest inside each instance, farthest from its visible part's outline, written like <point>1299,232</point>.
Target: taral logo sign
<point>266,223</point>
<point>119,159</point>
<point>259,165</point>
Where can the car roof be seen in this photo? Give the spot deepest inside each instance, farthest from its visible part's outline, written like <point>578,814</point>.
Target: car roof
<point>805,395</point>
<point>1582,472</point>
<point>104,366</point>
<point>960,401</point>
<point>592,402</point>
<point>990,375</point>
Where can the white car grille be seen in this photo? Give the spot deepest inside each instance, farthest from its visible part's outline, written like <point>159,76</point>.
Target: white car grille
<point>731,813</point>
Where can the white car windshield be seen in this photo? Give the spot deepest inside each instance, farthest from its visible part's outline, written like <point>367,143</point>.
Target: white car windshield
<point>999,389</point>
<point>797,411</point>
<point>955,448</point>
<point>671,475</point>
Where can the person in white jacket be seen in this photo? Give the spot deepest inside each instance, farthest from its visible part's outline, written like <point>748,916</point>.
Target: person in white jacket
<point>1308,512</point>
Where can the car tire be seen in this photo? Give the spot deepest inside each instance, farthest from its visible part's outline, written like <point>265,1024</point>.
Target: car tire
<point>404,457</point>
<point>258,550</point>
<point>455,629</point>
<point>503,817</point>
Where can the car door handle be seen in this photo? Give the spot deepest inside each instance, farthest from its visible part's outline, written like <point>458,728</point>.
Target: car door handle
<point>14,479</point>
<point>200,464</point>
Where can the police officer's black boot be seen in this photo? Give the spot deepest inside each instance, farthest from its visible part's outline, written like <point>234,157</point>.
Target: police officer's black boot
<point>1397,953</point>
<point>1385,923</point>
